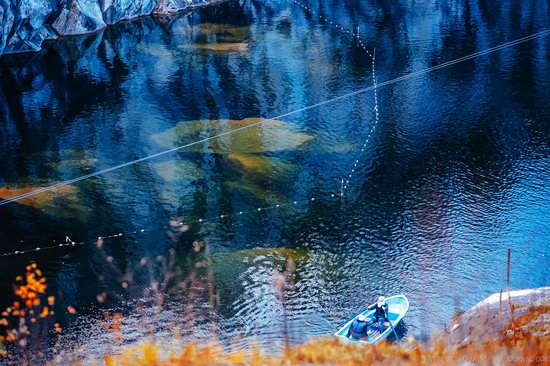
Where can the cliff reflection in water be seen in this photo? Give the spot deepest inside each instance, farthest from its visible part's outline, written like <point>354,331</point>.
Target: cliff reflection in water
<point>455,172</point>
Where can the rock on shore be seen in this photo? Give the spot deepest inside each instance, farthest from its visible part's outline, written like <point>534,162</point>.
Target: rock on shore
<point>519,311</point>
<point>26,24</point>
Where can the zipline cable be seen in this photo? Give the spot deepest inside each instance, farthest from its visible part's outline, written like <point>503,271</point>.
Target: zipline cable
<point>329,101</point>
<point>181,223</point>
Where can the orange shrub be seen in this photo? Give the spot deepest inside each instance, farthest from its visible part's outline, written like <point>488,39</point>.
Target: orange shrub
<point>28,312</point>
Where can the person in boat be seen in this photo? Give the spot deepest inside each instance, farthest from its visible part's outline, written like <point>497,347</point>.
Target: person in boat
<point>380,314</point>
<point>359,328</point>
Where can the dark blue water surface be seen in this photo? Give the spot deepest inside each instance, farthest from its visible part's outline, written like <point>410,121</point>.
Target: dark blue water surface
<point>456,171</point>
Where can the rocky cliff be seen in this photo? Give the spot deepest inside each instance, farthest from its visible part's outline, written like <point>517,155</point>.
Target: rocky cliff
<point>26,24</point>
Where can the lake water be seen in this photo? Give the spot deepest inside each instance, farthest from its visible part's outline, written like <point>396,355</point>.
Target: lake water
<point>455,172</point>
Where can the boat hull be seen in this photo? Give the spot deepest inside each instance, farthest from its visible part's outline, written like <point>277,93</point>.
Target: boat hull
<point>398,306</point>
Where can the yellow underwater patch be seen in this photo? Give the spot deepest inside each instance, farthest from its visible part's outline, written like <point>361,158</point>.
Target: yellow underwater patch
<point>261,166</point>
<point>218,47</point>
<point>270,135</point>
<point>40,200</point>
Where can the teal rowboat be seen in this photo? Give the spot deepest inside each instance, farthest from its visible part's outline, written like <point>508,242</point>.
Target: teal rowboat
<point>398,306</point>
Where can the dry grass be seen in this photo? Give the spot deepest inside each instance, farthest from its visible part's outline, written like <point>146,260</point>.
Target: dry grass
<point>514,345</point>
<point>505,351</point>
<point>523,340</point>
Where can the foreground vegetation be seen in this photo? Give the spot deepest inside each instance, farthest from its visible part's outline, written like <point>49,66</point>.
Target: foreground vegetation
<point>491,333</point>
<point>524,350</point>
<point>519,343</point>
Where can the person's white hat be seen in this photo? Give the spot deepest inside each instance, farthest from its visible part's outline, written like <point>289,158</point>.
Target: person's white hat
<point>362,318</point>
<point>381,300</point>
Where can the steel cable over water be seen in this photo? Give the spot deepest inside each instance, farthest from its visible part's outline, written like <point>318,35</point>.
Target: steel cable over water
<point>316,105</point>
<point>372,55</point>
<point>260,209</point>
<point>182,223</point>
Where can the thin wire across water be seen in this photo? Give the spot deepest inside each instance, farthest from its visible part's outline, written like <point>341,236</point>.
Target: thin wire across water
<point>325,102</point>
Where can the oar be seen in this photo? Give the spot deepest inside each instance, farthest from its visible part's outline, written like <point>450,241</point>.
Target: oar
<point>332,324</point>
<point>319,328</point>
<point>391,325</point>
<point>337,328</point>
<point>393,329</point>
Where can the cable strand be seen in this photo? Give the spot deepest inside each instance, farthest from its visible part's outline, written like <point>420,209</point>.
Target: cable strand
<point>303,109</point>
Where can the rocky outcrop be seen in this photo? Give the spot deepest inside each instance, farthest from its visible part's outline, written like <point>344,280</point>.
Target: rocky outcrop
<point>505,313</point>
<point>26,24</point>
<point>116,10</point>
<point>6,23</point>
<point>79,17</point>
<point>168,6</point>
<point>22,25</point>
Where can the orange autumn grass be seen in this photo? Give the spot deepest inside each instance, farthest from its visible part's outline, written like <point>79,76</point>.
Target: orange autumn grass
<point>513,345</point>
<point>332,352</point>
